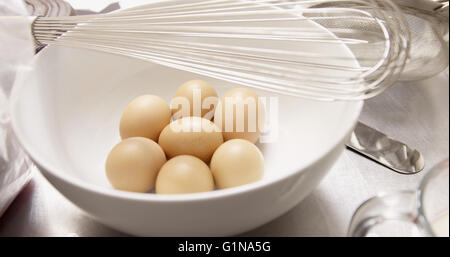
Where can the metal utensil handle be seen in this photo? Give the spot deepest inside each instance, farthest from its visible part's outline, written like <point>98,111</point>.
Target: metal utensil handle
<point>385,150</point>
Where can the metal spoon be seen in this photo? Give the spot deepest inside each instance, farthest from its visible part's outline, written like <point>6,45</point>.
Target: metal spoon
<point>387,151</point>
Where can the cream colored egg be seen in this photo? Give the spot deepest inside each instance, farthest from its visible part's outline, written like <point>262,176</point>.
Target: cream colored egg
<point>240,114</point>
<point>194,98</point>
<point>237,162</point>
<point>184,174</point>
<point>134,163</point>
<point>191,136</point>
<point>145,116</point>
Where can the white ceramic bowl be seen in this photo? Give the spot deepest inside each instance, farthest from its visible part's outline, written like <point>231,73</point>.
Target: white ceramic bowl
<point>66,114</point>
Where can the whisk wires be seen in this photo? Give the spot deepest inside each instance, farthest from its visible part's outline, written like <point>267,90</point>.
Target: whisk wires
<point>323,50</point>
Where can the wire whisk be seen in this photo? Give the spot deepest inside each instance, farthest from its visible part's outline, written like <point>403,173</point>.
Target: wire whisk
<point>315,49</point>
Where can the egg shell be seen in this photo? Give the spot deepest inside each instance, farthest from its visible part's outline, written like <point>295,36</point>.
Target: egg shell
<point>237,162</point>
<point>240,102</point>
<point>145,116</point>
<point>184,174</point>
<point>191,136</point>
<point>204,104</point>
<point>134,163</point>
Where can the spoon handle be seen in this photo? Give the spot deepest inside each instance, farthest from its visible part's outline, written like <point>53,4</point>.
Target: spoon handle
<point>387,151</point>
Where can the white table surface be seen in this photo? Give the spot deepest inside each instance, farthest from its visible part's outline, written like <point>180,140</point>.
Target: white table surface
<point>416,113</point>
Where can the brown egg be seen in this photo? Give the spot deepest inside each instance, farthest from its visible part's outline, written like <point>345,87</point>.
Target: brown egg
<point>145,116</point>
<point>191,136</point>
<point>238,115</point>
<point>184,174</point>
<point>194,98</point>
<point>237,162</point>
<point>134,163</point>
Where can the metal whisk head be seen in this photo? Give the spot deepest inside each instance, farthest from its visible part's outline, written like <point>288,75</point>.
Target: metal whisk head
<point>323,50</point>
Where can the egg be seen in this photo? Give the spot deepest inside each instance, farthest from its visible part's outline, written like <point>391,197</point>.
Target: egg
<point>237,162</point>
<point>191,136</point>
<point>194,98</point>
<point>145,116</point>
<point>184,174</point>
<point>239,115</point>
<point>134,163</point>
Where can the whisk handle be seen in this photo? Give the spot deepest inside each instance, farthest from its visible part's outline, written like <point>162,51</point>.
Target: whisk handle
<point>37,43</point>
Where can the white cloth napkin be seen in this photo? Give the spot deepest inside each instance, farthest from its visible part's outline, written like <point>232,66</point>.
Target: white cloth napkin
<point>16,51</point>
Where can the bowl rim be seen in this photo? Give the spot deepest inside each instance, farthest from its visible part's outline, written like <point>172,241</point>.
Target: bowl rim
<point>111,192</point>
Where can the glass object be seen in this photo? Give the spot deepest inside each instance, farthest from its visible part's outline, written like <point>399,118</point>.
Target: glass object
<point>16,50</point>
<point>426,207</point>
